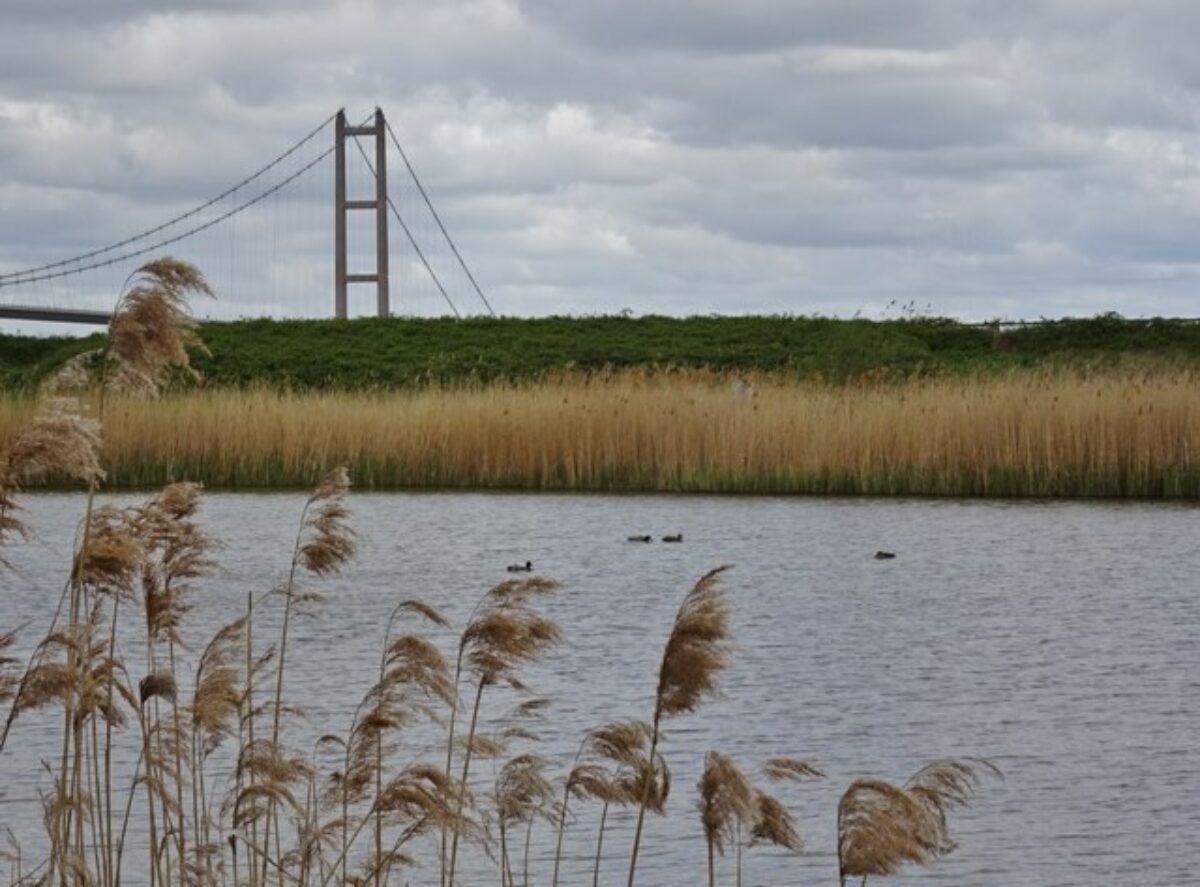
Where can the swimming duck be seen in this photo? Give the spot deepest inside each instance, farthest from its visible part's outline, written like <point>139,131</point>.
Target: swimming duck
<point>678,537</point>
<point>646,538</point>
<point>518,568</point>
<point>884,555</point>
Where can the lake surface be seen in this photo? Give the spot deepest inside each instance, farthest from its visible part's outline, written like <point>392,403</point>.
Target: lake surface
<point>1059,640</point>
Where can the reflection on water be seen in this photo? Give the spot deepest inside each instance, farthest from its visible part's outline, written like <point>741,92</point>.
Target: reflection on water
<point>1060,640</point>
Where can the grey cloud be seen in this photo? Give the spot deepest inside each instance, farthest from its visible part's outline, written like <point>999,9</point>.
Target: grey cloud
<point>1025,158</point>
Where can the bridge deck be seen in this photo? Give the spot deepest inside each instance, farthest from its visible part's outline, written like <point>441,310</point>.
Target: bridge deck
<point>58,315</point>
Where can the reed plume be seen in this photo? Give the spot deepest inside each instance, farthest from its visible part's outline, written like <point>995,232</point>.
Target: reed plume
<point>177,554</point>
<point>212,716</point>
<point>727,799</point>
<point>113,554</point>
<point>881,827</point>
<point>58,441</point>
<point>522,792</point>
<point>420,799</point>
<point>731,806</point>
<point>324,543</point>
<point>152,329</point>
<point>73,376</point>
<point>612,766</point>
<point>697,651</point>
<point>502,633</point>
<point>413,683</point>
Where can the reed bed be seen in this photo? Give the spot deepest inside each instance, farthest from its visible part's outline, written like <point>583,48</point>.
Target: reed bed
<point>355,808</point>
<point>1021,434</point>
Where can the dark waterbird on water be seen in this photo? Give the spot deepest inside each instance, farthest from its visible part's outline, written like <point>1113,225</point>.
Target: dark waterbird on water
<point>678,537</point>
<point>646,538</point>
<point>527,567</point>
<point>884,555</point>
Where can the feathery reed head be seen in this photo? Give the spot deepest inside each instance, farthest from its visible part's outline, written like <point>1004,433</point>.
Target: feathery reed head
<point>330,540</point>
<point>161,684</point>
<point>176,553</point>
<point>74,375</point>
<point>727,800</point>
<point>777,769</point>
<point>624,742</point>
<point>947,783</point>
<point>507,631</point>
<point>59,440</point>
<point>432,614</point>
<point>635,778</point>
<point>112,555</point>
<point>152,329</point>
<point>774,824</point>
<point>881,827</point>
<point>697,650</point>
<point>423,797</point>
<point>522,789</point>
<point>216,696</point>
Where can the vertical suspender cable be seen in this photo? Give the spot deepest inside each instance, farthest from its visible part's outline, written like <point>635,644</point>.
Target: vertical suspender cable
<point>438,219</point>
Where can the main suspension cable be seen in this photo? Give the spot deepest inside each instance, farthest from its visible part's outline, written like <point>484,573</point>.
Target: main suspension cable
<point>30,275</point>
<point>413,173</point>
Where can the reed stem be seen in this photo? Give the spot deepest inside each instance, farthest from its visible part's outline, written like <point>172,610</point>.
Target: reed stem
<point>463,783</point>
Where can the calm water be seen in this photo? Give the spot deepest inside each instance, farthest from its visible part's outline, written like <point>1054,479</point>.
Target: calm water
<point>1059,640</point>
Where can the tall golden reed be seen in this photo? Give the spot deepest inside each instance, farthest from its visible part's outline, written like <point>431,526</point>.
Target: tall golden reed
<point>696,652</point>
<point>1022,434</point>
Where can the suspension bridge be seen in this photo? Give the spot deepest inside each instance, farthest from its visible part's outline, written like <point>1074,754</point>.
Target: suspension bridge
<point>320,230</point>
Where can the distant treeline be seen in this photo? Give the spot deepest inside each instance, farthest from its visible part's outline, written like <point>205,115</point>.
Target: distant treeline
<point>400,352</point>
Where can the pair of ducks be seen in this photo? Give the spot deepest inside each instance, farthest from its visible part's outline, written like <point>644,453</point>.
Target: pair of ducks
<point>527,567</point>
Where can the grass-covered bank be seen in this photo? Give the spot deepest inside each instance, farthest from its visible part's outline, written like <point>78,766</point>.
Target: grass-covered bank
<point>371,353</point>
<point>1026,433</point>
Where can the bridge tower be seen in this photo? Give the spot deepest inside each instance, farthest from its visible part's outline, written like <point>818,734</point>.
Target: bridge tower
<point>343,206</point>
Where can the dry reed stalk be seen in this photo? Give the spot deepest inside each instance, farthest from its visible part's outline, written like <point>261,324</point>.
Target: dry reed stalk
<point>422,799</point>
<point>611,766</point>
<point>731,806</point>
<point>696,652</point>
<point>214,709</point>
<point>413,682</point>
<point>522,792</point>
<point>503,632</point>
<point>881,827</point>
<point>727,799</point>
<point>324,543</point>
<point>176,553</point>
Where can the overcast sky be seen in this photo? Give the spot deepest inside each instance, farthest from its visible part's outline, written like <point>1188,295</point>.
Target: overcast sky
<point>978,158</point>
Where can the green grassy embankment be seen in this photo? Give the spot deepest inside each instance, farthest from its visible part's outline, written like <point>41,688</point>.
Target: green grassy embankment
<point>371,353</point>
